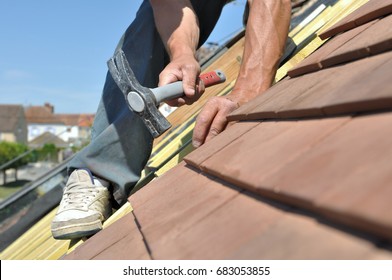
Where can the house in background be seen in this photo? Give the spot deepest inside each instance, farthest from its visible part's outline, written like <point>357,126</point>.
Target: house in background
<point>71,128</point>
<point>41,119</point>
<point>13,127</point>
<point>79,127</point>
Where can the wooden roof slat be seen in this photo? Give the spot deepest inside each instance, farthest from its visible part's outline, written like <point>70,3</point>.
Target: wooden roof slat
<point>372,10</point>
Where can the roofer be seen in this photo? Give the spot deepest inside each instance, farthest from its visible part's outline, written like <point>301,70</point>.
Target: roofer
<point>160,46</point>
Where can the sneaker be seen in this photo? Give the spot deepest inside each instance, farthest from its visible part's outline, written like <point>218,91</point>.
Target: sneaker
<point>83,208</point>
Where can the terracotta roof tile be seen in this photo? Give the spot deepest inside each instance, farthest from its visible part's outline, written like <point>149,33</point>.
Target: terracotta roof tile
<point>201,218</point>
<point>271,94</point>
<point>123,237</point>
<point>372,40</point>
<point>268,104</point>
<point>215,145</point>
<point>341,173</point>
<point>338,90</point>
<point>372,10</point>
<point>313,62</point>
<point>222,233</point>
<point>369,92</point>
<point>242,227</point>
<point>193,200</point>
<point>294,236</point>
<point>348,88</point>
<point>263,151</point>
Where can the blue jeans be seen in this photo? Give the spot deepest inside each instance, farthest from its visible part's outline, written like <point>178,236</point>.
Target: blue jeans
<point>120,143</point>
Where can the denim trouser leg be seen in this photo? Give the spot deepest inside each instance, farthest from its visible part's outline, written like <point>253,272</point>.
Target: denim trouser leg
<point>121,145</point>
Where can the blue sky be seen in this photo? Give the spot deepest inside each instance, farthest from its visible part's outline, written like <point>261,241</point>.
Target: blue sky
<point>56,50</point>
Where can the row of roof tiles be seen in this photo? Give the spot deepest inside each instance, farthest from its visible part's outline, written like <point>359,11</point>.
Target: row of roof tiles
<point>9,115</point>
<point>304,172</point>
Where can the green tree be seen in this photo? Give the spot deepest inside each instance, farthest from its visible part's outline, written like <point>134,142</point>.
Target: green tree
<point>48,152</point>
<point>13,155</point>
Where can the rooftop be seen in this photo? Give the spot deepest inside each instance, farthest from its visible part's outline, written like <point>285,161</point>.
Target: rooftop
<point>303,172</point>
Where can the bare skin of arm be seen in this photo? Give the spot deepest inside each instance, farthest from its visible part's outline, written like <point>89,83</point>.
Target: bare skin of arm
<point>265,39</point>
<point>178,28</point>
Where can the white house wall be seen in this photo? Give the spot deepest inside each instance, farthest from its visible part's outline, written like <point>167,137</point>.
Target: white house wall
<point>35,130</point>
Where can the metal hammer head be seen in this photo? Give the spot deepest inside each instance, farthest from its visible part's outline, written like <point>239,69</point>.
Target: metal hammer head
<point>125,79</point>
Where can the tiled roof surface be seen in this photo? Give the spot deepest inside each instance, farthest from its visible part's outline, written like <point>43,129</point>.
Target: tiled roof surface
<point>9,116</point>
<point>48,138</point>
<point>41,115</point>
<point>45,115</point>
<point>303,172</point>
<point>82,120</point>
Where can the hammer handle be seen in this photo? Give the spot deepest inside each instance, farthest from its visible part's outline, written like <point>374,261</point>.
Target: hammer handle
<point>175,90</point>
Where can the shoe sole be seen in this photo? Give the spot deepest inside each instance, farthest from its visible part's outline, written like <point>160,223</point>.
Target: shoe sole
<point>76,231</point>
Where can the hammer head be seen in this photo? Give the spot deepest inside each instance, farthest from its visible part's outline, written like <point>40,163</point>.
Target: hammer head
<point>125,79</point>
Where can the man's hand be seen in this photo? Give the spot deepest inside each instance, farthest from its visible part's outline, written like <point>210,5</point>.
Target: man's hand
<point>265,39</point>
<point>184,68</point>
<point>178,27</point>
<point>212,119</point>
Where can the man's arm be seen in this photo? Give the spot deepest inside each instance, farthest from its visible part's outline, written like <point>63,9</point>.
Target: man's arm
<point>178,27</point>
<point>265,39</point>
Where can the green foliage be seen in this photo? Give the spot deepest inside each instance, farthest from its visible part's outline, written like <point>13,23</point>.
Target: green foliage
<point>47,153</point>
<point>10,151</point>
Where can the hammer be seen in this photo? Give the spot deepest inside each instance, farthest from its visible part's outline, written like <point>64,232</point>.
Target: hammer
<point>145,101</point>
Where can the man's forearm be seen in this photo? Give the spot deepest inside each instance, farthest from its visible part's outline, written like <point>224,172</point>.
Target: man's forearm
<point>177,25</point>
<point>265,39</point>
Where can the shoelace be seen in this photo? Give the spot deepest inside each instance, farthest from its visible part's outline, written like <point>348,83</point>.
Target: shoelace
<point>79,196</point>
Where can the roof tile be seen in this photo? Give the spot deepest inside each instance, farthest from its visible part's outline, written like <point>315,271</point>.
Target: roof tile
<point>372,40</point>
<point>267,148</point>
<point>294,236</point>
<point>123,237</point>
<point>222,232</point>
<point>192,200</point>
<point>341,172</point>
<point>368,12</point>
<point>312,62</point>
<point>214,145</point>
<point>331,91</point>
